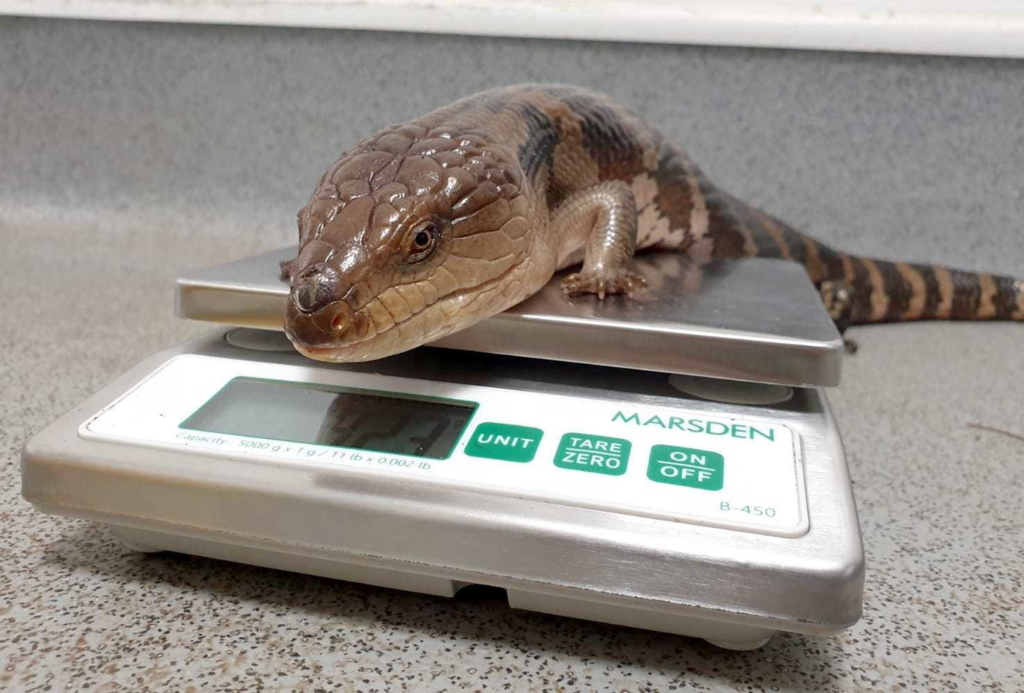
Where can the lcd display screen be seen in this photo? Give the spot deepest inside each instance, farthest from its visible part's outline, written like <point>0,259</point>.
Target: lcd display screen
<point>340,417</point>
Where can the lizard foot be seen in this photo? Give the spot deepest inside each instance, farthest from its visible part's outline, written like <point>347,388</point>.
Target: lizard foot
<point>585,283</point>
<point>838,299</point>
<point>287,268</point>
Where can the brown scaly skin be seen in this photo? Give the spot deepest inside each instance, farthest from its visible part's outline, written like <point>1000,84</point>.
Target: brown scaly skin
<point>428,227</point>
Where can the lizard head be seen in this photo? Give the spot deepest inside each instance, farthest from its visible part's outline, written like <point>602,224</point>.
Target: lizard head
<point>411,236</point>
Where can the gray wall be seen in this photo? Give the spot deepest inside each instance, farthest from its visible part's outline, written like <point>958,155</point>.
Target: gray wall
<point>228,127</point>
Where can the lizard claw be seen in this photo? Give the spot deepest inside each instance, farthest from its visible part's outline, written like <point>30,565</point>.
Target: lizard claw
<point>583,283</point>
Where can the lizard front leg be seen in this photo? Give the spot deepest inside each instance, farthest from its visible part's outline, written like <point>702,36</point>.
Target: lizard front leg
<point>602,221</point>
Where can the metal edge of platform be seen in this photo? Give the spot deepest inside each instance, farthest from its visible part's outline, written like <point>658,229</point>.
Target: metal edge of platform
<point>703,350</point>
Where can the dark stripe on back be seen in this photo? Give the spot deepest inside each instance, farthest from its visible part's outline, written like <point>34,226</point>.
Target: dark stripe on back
<point>833,262</point>
<point>1006,297</point>
<point>618,153</point>
<point>753,220</point>
<point>674,199</point>
<point>541,140</point>
<point>771,236</point>
<point>966,295</point>
<point>724,224</point>
<point>862,290</point>
<point>933,296</point>
<point>897,290</point>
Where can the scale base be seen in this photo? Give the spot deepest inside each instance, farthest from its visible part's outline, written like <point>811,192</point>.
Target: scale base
<point>731,586</point>
<point>725,635</point>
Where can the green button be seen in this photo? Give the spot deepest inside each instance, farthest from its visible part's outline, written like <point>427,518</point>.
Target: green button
<point>498,441</point>
<point>590,453</point>
<point>701,469</point>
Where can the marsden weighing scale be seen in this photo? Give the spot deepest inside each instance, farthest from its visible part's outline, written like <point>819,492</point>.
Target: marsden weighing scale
<point>668,463</point>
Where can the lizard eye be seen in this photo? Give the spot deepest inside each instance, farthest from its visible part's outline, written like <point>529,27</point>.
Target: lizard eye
<point>424,239</point>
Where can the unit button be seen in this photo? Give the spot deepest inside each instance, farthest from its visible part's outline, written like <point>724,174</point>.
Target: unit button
<point>498,441</point>
<point>701,469</point>
<point>589,453</point>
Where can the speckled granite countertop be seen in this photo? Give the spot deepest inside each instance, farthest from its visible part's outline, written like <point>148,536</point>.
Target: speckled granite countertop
<point>92,241</point>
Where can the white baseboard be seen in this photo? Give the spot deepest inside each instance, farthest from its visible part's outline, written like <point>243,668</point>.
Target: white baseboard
<point>941,27</point>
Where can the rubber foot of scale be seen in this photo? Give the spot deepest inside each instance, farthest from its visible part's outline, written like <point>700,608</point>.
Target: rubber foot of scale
<point>739,645</point>
<point>132,543</point>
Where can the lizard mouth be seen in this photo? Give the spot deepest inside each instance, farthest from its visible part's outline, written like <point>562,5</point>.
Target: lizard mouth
<point>339,335</point>
<point>361,341</point>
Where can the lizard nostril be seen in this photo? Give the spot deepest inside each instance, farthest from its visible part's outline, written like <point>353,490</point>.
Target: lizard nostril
<point>341,317</point>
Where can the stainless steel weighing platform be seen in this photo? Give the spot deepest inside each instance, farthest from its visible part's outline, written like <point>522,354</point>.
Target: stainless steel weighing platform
<point>669,463</point>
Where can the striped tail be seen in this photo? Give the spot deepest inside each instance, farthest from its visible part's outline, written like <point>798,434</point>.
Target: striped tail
<point>860,290</point>
<point>855,290</point>
<point>874,291</point>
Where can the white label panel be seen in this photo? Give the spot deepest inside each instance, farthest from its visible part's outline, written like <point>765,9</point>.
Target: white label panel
<point>688,466</point>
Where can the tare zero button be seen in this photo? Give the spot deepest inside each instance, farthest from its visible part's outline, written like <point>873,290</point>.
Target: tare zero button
<point>498,441</point>
<point>589,453</point>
